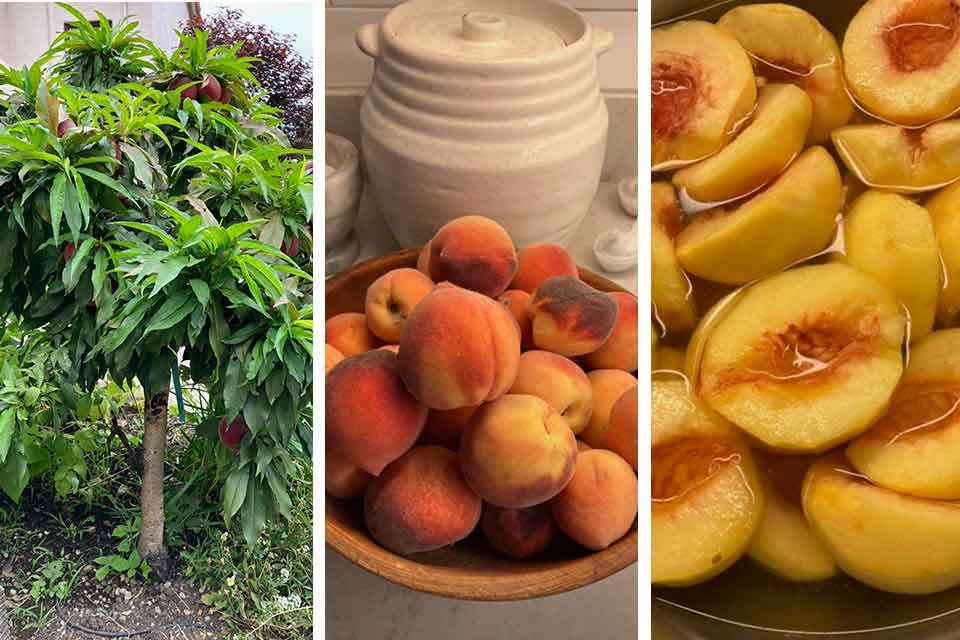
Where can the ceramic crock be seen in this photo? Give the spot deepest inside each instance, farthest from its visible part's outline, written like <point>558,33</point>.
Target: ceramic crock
<point>486,107</point>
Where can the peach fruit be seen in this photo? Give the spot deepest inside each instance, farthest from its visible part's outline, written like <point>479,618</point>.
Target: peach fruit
<point>537,262</point>
<point>669,357</point>
<point>903,160</point>
<point>747,241</point>
<point>344,480</point>
<point>787,44</point>
<point>421,503</point>
<point>391,299</point>
<point>423,260</point>
<point>624,423</point>
<point>517,302</point>
<point>371,419</point>
<point>706,497</point>
<point>889,541</point>
<point>671,290</point>
<point>582,446</point>
<point>348,333</point>
<point>772,139</point>
<point>475,253</point>
<point>570,317</point>
<point>331,358</point>
<point>702,87</point>
<point>517,452</point>
<point>943,209</point>
<point>608,385</point>
<point>901,59</point>
<point>914,447</point>
<point>459,349</point>
<point>599,504</point>
<point>559,382</point>
<point>805,359</point>
<point>519,533</point>
<point>620,351</point>
<point>444,427</point>
<point>891,238</point>
<point>392,348</point>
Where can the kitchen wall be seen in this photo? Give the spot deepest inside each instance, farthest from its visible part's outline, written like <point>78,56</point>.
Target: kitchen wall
<point>349,71</point>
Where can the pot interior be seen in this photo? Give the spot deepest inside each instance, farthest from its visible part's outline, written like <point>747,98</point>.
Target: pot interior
<point>746,601</point>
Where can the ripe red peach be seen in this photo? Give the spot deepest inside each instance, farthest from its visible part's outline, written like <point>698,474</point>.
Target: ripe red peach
<point>620,349</point>
<point>570,317</point>
<point>344,480</point>
<point>608,385</point>
<point>599,505</point>
<point>517,302</point>
<point>475,253</point>
<point>537,262</point>
<point>444,427</point>
<point>517,452</point>
<point>622,432</point>
<point>458,349</point>
<point>348,333</point>
<point>391,299</point>
<point>421,503</point>
<point>332,357</point>
<point>559,382</point>
<point>519,533</point>
<point>371,419</point>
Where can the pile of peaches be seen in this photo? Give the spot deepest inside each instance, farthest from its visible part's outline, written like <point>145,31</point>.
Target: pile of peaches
<point>487,388</point>
<point>806,286</point>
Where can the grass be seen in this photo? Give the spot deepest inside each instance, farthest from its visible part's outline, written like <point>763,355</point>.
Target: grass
<point>48,546</point>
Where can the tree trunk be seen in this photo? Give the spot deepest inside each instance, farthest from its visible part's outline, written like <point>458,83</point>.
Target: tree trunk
<point>151,545</point>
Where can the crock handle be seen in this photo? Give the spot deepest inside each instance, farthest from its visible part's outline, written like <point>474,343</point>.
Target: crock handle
<point>602,40</point>
<point>368,39</point>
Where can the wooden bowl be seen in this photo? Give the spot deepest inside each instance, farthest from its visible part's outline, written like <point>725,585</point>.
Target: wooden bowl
<point>470,569</point>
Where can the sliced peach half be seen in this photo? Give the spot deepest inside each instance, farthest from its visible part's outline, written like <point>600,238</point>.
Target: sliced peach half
<point>671,291</point>
<point>891,238</point>
<point>889,541</point>
<point>806,359</point>
<point>788,44</point>
<point>706,498</point>
<point>702,87</point>
<point>774,135</point>
<point>785,545</point>
<point>790,219</point>
<point>915,447</point>
<point>670,358</point>
<point>902,160</point>
<point>902,59</point>
<point>693,356</point>
<point>944,210</point>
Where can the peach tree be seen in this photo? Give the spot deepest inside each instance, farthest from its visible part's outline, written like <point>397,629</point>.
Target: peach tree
<point>155,221</point>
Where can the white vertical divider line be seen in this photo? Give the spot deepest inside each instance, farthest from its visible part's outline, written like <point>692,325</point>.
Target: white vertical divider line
<point>319,303</point>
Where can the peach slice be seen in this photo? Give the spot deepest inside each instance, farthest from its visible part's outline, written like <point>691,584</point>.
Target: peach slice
<point>898,159</point>
<point>943,208</point>
<point>915,446</point>
<point>763,149</point>
<point>889,541</point>
<point>786,546</point>
<point>891,238</point>
<point>748,241</point>
<point>671,291</point>
<point>702,87</point>
<point>805,359</point>
<point>788,44</point>
<point>902,59</point>
<point>706,497</point>
<point>670,358</point>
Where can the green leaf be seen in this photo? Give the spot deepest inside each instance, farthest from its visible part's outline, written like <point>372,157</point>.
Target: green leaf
<point>14,474</point>
<point>201,290</point>
<point>99,273</point>
<point>106,181</point>
<point>156,232</point>
<point>56,204</point>
<point>77,265</point>
<point>234,493</point>
<point>8,423</point>
<point>175,309</point>
<point>71,209</point>
<point>254,512</point>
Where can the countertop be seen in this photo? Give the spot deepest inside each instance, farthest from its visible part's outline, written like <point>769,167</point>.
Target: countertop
<point>362,606</point>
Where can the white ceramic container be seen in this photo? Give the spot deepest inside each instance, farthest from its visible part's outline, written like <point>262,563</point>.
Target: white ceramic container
<point>487,107</point>
<point>343,188</point>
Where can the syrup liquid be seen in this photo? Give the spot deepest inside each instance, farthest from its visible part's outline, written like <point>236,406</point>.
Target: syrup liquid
<point>747,594</point>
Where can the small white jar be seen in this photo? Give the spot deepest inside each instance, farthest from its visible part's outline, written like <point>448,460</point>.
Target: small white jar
<point>343,188</point>
<point>488,107</point>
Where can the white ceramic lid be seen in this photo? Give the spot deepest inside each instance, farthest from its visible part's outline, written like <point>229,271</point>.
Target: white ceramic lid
<point>478,35</point>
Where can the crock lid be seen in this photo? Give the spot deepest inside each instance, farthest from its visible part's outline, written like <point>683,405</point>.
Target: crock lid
<point>478,35</point>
